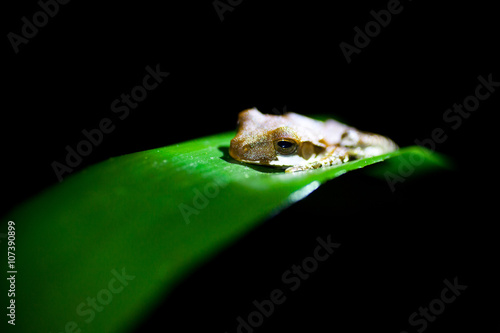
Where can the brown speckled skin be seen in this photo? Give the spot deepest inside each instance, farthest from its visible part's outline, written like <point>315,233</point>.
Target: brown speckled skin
<point>257,132</point>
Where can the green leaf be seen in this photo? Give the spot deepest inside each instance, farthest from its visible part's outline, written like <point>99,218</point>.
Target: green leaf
<point>99,250</point>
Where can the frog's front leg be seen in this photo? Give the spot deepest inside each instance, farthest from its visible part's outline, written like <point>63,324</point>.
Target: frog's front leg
<point>336,155</point>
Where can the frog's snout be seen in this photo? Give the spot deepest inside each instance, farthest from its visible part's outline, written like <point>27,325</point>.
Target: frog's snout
<point>251,152</point>
<point>234,149</point>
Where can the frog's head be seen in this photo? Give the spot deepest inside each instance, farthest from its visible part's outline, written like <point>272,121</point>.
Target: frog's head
<point>274,140</point>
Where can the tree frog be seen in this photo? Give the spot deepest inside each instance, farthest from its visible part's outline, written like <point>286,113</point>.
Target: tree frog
<point>299,143</point>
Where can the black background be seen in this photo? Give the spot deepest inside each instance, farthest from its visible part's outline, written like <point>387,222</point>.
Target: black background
<point>283,55</point>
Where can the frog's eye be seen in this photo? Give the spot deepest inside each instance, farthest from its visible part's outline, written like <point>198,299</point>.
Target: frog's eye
<point>285,146</point>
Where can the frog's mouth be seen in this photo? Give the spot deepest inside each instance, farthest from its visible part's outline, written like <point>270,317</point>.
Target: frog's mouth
<point>291,160</point>
<point>285,161</point>
<point>281,161</point>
